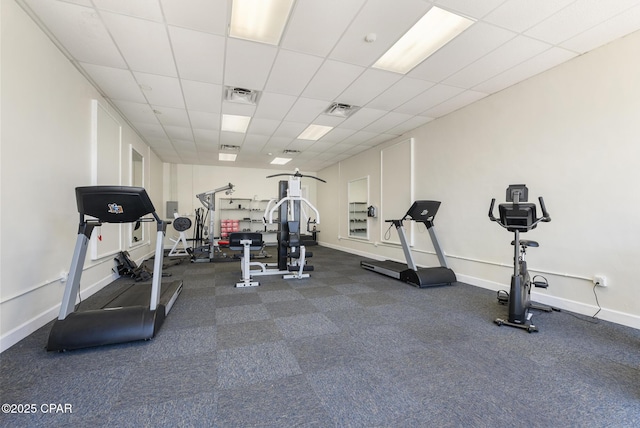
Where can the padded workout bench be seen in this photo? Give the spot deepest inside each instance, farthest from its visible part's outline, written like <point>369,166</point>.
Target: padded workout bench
<point>246,242</point>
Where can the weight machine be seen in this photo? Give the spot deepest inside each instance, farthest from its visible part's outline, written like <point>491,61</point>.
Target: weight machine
<point>208,200</point>
<point>292,254</point>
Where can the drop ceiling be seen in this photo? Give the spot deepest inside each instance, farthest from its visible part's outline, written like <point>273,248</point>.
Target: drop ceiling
<point>166,65</point>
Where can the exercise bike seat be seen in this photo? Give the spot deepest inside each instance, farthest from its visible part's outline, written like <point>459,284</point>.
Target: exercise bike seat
<point>526,243</point>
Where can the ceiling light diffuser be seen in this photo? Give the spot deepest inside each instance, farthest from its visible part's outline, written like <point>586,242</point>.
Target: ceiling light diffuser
<point>259,20</point>
<point>434,30</point>
<point>314,132</point>
<point>233,123</point>
<point>280,161</point>
<point>229,157</point>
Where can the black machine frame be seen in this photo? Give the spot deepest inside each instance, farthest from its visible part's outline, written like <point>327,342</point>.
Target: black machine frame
<point>138,312</point>
<point>520,216</point>
<point>421,211</point>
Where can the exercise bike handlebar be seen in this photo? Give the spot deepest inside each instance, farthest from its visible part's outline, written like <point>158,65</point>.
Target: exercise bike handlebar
<point>491,216</point>
<point>545,215</point>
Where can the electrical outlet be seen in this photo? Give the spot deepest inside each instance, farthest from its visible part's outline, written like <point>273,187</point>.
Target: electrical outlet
<point>600,280</point>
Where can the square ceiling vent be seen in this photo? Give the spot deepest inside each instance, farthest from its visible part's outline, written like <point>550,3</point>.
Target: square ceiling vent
<point>234,94</point>
<point>341,110</point>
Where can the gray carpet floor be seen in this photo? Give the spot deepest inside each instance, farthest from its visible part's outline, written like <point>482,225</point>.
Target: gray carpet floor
<point>344,348</point>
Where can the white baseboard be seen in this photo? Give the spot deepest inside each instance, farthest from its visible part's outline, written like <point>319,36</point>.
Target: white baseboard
<point>617,317</point>
<point>25,329</point>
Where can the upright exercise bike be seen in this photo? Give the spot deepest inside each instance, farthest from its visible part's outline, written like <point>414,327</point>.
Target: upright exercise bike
<point>519,216</point>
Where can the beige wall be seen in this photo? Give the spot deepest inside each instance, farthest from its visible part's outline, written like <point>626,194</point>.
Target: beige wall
<point>570,134</point>
<point>46,152</point>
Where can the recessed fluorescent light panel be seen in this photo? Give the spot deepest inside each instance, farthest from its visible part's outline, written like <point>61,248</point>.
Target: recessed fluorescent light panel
<point>280,161</point>
<point>259,20</point>
<point>434,30</point>
<point>229,157</point>
<point>314,132</point>
<point>235,123</point>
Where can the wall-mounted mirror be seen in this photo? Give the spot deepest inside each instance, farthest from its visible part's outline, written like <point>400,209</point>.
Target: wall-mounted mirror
<point>358,199</point>
<point>137,179</point>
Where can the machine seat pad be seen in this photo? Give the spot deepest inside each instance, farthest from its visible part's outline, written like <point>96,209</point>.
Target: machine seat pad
<point>296,254</point>
<point>236,237</point>
<point>526,243</point>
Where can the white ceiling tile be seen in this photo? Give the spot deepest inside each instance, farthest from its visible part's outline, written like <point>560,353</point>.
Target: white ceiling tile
<point>368,86</point>
<point>389,20</point>
<point>289,129</point>
<point>472,8</point>
<point>401,92</point>
<point>362,118</point>
<point>146,9</point>
<point>387,122</point>
<point>539,63</point>
<point>337,135</point>
<point>144,44</point>
<point>161,90</point>
<point>520,15</point>
<point>274,106</point>
<point>455,103</point>
<point>510,54</point>
<point>316,26</point>
<point>576,18</point>
<point>137,112</point>
<point>202,15</point>
<point>300,145</point>
<point>306,110</point>
<point>262,127</point>
<point>198,55</point>
<point>206,137</point>
<point>81,2</point>
<point>172,116</point>
<point>359,138</point>
<point>206,149</point>
<point>477,41</point>
<point>115,83</point>
<point>204,120</point>
<point>332,78</point>
<point>429,98</point>
<point>616,27</point>
<point>321,146</point>
<point>326,120</point>
<point>232,138</point>
<point>254,142</point>
<point>291,72</point>
<point>150,131</point>
<point>238,109</point>
<point>179,133</point>
<point>80,30</point>
<point>248,64</point>
<point>276,144</point>
<point>205,97</point>
<point>180,49</point>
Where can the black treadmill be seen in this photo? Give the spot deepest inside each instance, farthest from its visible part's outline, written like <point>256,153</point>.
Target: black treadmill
<point>138,312</point>
<point>423,212</point>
